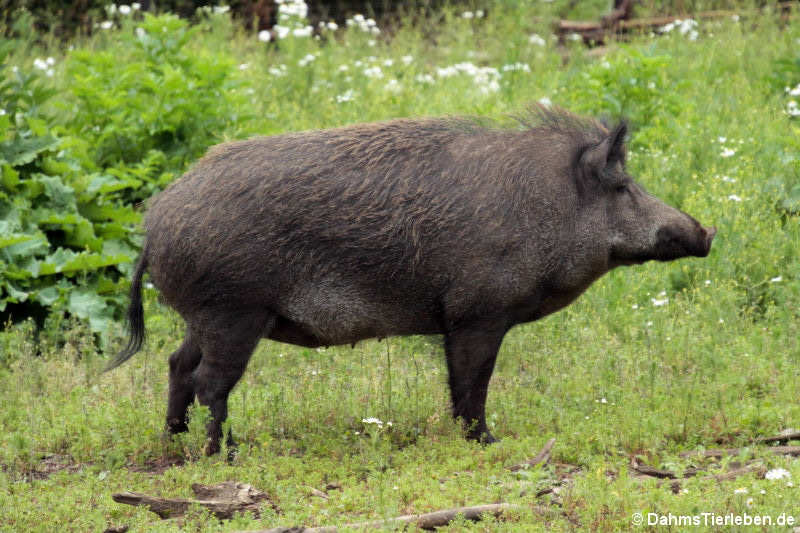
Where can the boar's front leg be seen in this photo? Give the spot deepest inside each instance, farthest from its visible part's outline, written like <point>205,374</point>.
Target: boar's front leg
<point>471,350</point>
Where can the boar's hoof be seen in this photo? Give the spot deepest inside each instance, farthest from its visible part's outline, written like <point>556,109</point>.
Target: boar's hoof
<point>483,437</point>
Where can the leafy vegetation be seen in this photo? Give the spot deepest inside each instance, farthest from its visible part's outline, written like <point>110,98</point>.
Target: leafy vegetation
<point>652,361</point>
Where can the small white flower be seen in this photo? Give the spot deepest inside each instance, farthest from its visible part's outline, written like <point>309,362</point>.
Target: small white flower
<point>734,198</point>
<point>425,78</point>
<point>346,96</point>
<point>388,62</point>
<point>244,66</point>
<point>372,42</point>
<point>545,101</point>
<point>749,502</point>
<point>777,473</point>
<point>140,33</point>
<point>372,420</point>
<point>728,179</point>
<point>635,306</point>
<point>722,139</point>
<point>50,61</point>
<point>574,37</point>
<point>125,9</point>
<point>708,282</point>
<point>727,152</point>
<point>332,26</point>
<point>649,323</point>
<point>467,14</point>
<point>393,86</point>
<point>740,490</point>
<point>281,32</point>
<point>220,10</point>
<point>111,9</point>
<point>659,302</point>
<point>277,71</point>
<point>735,18</point>
<point>343,68</point>
<point>479,13</point>
<point>306,60</point>
<point>41,64</point>
<point>407,60</point>
<point>106,25</point>
<point>537,39</point>
<point>136,6</point>
<point>373,72</point>
<point>264,36</point>
<point>603,400</point>
<point>2,111</point>
<point>795,91</point>
<point>776,279</point>
<point>303,32</point>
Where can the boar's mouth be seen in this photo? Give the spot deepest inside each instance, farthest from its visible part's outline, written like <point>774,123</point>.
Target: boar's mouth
<point>672,243</point>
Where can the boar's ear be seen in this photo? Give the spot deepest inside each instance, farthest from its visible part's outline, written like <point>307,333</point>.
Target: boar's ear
<point>609,151</point>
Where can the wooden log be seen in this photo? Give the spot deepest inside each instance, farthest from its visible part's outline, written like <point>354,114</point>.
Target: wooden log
<point>542,457</point>
<point>423,521</point>
<point>223,500</point>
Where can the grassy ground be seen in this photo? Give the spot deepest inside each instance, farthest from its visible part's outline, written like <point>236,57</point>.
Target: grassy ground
<point>652,361</point>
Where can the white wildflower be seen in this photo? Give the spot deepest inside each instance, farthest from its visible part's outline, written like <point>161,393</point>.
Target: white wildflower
<point>467,15</point>
<point>740,490</point>
<point>281,32</point>
<point>659,302</point>
<point>635,306</point>
<point>792,109</point>
<point>41,64</point>
<point>111,9</point>
<point>305,31</point>
<point>124,9</point>
<point>728,179</point>
<point>221,10</point>
<point>516,66</point>
<point>373,72</point>
<point>776,279</point>
<point>777,473</point>
<point>332,26</point>
<point>306,60</point>
<point>795,91</point>
<point>407,60</point>
<point>393,86</point>
<point>537,39</point>
<point>343,68</point>
<point>425,78</point>
<point>140,33</point>
<point>346,96</point>
<point>277,71</point>
<point>264,36</point>
<point>372,42</point>
<point>479,14</point>
<point>727,152</point>
<point>388,62</point>
<point>545,101</point>
<point>722,139</point>
<point>2,111</point>
<point>106,25</point>
<point>244,66</point>
<point>734,198</point>
<point>574,37</point>
<point>136,6</point>
<point>603,400</point>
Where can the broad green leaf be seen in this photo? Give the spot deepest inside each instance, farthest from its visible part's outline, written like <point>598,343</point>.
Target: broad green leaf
<point>21,151</point>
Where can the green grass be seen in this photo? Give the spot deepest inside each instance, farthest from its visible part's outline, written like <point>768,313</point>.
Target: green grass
<point>610,377</point>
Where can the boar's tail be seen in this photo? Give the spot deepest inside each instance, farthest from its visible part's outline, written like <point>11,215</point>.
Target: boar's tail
<point>135,316</point>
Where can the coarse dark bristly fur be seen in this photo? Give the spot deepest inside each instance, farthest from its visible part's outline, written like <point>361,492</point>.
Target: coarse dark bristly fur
<point>413,226</point>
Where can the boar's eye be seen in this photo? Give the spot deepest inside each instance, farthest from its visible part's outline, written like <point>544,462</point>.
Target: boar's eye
<point>621,187</point>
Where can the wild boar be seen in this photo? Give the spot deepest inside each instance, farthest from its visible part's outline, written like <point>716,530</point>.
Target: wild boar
<point>415,226</point>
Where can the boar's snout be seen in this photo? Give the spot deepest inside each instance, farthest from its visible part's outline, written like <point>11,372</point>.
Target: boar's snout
<point>680,240</point>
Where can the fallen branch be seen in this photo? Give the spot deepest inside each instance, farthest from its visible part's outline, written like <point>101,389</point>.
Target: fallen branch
<point>618,22</point>
<point>647,470</point>
<point>542,457</point>
<point>716,454</point>
<point>223,500</point>
<point>423,521</point>
<point>784,438</point>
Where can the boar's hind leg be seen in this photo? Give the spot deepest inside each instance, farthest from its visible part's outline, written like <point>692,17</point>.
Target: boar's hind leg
<point>471,352</point>
<point>181,390</point>
<point>227,341</point>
